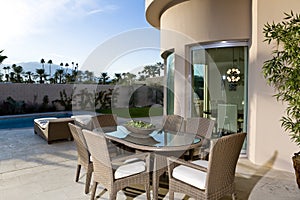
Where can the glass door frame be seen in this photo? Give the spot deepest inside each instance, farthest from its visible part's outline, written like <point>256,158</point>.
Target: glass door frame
<point>222,44</point>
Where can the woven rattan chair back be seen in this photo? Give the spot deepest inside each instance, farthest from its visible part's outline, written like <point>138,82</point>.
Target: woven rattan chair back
<point>82,149</point>
<point>202,127</point>
<point>104,171</point>
<point>83,155</point>
<point>97,144</point>
<point>223,159</point>
<point>172,122</point>
<point>220,172</point>
<point>104,120</point>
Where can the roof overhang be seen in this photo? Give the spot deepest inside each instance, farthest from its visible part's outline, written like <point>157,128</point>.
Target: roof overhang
<point>155,8</point>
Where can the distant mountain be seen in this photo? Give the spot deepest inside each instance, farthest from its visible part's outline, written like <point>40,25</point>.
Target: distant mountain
<point>32,66</point>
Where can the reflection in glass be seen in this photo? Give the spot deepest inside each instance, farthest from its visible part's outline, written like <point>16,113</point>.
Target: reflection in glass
<point>220,86</point>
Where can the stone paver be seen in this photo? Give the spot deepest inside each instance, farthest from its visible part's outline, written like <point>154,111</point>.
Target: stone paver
<point>31,169</point>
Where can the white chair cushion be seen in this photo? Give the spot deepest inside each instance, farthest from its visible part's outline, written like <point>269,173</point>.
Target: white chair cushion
<point>43,122</point>
<point>83,119</point>
<point>130,169</point>
<point>202,163</point>
<point>192,176</point>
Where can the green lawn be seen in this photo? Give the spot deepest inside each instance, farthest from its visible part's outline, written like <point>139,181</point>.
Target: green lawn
<point>134,112</point>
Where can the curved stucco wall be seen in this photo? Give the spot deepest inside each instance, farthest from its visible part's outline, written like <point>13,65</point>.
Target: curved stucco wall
<point>188,22</point>
<point>206,21</point>
<point>154,9</point>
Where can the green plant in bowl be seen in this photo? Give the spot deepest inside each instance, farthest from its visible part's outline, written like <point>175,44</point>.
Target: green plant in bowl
<point>139,128</point>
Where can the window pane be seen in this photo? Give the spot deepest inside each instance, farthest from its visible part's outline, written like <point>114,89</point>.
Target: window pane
<point>170,84</point>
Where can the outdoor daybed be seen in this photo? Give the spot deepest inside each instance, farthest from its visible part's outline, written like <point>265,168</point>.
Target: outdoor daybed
<point>52,129</point>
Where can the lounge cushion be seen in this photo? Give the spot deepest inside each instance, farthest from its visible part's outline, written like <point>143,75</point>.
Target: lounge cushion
<point>192,176</point>
<point>130,169</point>
<point>43,122</point>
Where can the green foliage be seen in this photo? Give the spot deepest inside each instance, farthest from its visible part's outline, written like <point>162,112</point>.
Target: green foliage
<point>11,106</point>
<point>282,71</point>
<point>104,99</point>
<point>45,107</point>
<point>139,124</point>
<point>86,99</point>
<point>64,100</point>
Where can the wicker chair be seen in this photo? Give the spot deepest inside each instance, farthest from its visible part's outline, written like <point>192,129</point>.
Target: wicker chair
<point>108,123</point>
<point>83,155</point>
<point>116,174</point>
<point>210,179</point>
<point>104,121</point>
<point>172,122</point>
<point>202,128</point>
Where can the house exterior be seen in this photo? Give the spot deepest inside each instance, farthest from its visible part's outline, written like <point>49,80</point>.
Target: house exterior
<point>214,53</point>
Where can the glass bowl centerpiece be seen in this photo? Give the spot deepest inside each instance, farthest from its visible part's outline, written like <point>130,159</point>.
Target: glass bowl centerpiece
<point>139,128</point>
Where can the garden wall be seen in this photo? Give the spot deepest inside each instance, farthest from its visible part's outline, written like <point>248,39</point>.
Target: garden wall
<point>137,95</point>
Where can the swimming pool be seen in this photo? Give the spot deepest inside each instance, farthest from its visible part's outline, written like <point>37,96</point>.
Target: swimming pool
<point>26,121</point>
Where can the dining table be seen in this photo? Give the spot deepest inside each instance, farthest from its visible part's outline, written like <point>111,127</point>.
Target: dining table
<point>161,143</point>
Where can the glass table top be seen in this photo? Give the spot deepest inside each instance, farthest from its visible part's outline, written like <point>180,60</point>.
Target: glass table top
<point>157,138</point>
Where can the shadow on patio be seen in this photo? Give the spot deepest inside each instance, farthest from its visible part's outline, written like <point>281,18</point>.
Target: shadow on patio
<point>31,167</point>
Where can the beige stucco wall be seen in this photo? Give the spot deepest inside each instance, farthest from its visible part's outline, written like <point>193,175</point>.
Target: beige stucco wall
<point>195,21</point>
<point>266,137</point>
<point>34,93</point>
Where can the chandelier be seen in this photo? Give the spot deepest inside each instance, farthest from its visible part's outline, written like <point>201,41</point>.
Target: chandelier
<point>233,75</point>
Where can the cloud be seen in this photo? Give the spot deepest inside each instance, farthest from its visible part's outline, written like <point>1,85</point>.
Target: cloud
<point>20,18</point>
<point>94,11</point>
<point>107,8</point>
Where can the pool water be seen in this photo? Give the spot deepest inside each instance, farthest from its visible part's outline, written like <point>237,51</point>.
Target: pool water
<point>26,121</point>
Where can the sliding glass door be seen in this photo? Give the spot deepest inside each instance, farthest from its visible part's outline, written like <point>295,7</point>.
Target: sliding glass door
<point>219,78</point>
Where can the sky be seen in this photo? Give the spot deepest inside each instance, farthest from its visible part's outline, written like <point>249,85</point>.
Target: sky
<point>79,31</point>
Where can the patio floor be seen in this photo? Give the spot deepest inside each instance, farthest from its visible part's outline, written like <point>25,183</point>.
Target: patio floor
<point>32,169</point>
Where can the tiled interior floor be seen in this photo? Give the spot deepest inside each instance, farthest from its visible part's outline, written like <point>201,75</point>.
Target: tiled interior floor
<point>31,169</point>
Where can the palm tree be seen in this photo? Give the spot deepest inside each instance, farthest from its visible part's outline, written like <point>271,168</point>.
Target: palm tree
<point>12,77</point>
<point>1,60</point>
<point>128,78</point>
<point>67,67</point>
<point>18,70</point>
<point>50,63</point>
<point>6,69</point>
<point>60,73</point>
<point>89,76</point>
<point>41,73</point>
<point>2,57</point>
<point>29,74</point>
<point>118,76</point>
<point>104,77</point>
<point>43,62</point>
<point>1,75</point>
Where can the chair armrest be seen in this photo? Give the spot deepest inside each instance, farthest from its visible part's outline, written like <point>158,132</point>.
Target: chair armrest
<point>173,162</point>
